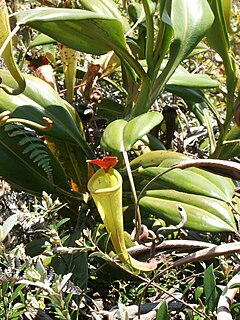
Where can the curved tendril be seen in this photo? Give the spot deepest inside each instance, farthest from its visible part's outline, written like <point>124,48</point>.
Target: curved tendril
<point>5,119</point>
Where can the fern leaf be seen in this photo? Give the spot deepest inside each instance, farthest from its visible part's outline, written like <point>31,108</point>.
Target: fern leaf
<point>33,145</point>
<point>28,139</point>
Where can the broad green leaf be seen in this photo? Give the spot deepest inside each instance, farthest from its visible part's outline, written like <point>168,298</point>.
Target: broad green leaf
<point>198,218</point>
<point>121,134</point>
<point>210,290</point>
<point>107,8</point>
<point>72,160</point>
<point>139,126</point>
<point>110,106</point>
<point>17,166</point>
<point>39,100</point>
<point>214,209</point>
<point>188,94</point>
<point>199,81</point>
<point>81,30</point>
<point>189,28</point>
<point>112,139</point>
<point>190,181</point>
<point>182,78</point>
<point>162,313</point>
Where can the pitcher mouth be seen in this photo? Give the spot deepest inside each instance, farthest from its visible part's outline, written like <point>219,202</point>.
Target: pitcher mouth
<point>102,182</point>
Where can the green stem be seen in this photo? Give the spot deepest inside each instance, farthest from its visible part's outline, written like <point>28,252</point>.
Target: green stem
<point>138,220</point>
<point>225,134</point>
<point>150,35</point>
<point>143,104</point>
<point>164,36</point>
<point>163,78</point>
<point>123,53</point>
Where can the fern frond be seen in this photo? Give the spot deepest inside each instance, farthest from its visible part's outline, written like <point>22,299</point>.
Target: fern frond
<point>33,146</point>
<point>28,139</point>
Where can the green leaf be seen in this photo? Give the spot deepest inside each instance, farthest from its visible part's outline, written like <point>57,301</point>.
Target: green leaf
<point>81,30</point>
<point>39,100</point>
<point>186,79</point>
<point>7,226</point>
<point>227,9</point>
<point>112,139</point>
<point>17,168</point>
<point>162,313</point>
<point>210,290</point>
<point>17,291</point>
<point>189,28</point>
<point>234,282</point>
<point>194,181</point>
<point>41,40</point>
<point>204,214</point>
<point>120,134</point>
<point>106,8</point>
<point>139,126</point>
<point>217,38</point>
<point>201,47</point>
<point>110,107</point>
<point>198,293</point>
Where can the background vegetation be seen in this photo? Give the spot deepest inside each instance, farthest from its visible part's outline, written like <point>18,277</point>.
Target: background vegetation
<point>150,88</point>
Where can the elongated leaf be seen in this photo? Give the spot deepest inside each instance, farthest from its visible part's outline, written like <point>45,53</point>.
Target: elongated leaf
<point>211,206</point>
<point>81,30</point>
<point>223,186</point>
<point>40,40</point>
<point>227,8</point>
<point>84,31</point>
<point>17,167</point>
<point>73,162</point>
<point>39,100</point>
<point>189,28</point>
<point>210,289</point>
<point>185,181</point>
<point>162,313</point>
<point>7,53</point>
<point>199,81</point>
<point>7,226</point>
<point>121,134</point>
<point>107,8</point>
<point>217,37</point>
<point>198,219</point>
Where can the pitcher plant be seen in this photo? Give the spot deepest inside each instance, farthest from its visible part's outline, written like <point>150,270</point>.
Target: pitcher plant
<point>105,186</point>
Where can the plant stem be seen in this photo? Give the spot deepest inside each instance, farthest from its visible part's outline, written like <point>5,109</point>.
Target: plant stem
<point>150,35</point>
